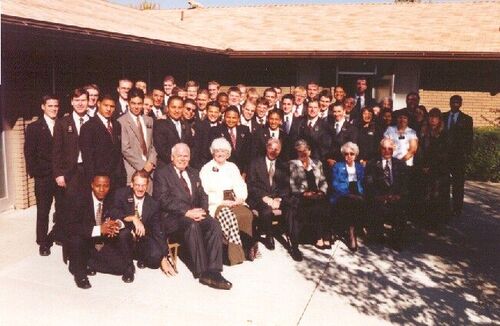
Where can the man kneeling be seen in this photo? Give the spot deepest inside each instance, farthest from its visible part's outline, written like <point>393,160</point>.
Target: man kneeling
<point>96,241</point>
<point>141,215</point>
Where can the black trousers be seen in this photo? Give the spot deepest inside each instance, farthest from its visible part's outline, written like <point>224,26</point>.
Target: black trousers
<point>393,213</point>
<point>315,212</point>
<point>288,217</point>
<point>203,241</point>
<point>114,258</point>
<point>349,211</point>
<point>148,250</point>
<point>46,190</point>
<point>457,172</point>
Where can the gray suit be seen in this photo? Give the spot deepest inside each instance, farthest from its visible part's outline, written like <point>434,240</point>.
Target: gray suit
<point>131,145</point>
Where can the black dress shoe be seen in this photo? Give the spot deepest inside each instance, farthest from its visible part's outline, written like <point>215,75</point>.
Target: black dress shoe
<point>44,251</point>
<point>90,271</point>
<point>296,254</point>
<point>140,264</point>
<point>216,281</point>
<point>128,278</point>
<point>82,282</point>
<point>269,242</point>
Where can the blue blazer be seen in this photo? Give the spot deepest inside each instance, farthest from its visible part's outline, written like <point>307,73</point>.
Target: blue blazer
<point>340,181</point>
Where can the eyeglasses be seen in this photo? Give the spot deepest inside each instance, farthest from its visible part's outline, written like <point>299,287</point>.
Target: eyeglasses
<point>349,154</point>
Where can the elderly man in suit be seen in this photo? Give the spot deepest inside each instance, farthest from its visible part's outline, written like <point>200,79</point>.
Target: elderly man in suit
<point>460,135</point>
<point>38,155</point>
<point>386,189</point>
<point>137,137</point>
<point>141,215</point>
<point>269,194</point>
<point>184,209</point>
<point>67,162</point>
<point>101,145</point>
<point>170,131</point>
<point>96,240</point>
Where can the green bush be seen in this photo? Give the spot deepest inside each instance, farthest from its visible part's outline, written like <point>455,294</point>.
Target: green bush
<point>484,163</point>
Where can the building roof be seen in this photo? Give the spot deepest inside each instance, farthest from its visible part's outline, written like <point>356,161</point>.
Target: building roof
<point>424,30</point>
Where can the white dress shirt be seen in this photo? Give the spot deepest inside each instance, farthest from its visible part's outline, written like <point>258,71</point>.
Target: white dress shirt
<point>50,123</point>
<point>402,141</point>
<point>76,119</point>
<point>138,204</point>
<point>124,105</point>
<point>351,172</point>
<point>274,133</point>
<point>178,126</point>
<point>186,177</point>
<point>91,111</point>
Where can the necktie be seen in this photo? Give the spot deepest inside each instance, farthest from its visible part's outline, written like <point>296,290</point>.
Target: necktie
<point>184,183</point>
<point>272,135</point>
<point>126,108</point>
<point>387,173</point>
<point>179,128</point>
<point>271,173</point>
<point>81,121</point>
<point>287,124</point>
<point>98,214</point>
<point>336,127</point>
<point>233,137</point>
<point>310,125</point>
<point>110,127</point>
<point>358,103</point>
<point>141,137</point>
<point>261,121</point>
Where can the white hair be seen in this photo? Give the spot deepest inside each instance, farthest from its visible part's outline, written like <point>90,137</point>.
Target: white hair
<point>220,144</point>
<point>350,146</point>
<point>176,149</point>
<point>387,140</point>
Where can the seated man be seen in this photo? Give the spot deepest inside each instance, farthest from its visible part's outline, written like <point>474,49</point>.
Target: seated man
<point>184,210</point>
<point>386,188</point>
<point>141,214</point>
<point>269,194</point>
<point>96,241</point>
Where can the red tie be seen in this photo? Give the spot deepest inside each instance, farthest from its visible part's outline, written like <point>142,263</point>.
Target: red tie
<point>233,137</point>
<point>110,127</point>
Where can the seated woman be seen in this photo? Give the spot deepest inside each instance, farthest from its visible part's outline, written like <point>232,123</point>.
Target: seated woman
<point>308,185</point>
<point>227,193</point>
<point>347,186</point>
<point>432,167</point>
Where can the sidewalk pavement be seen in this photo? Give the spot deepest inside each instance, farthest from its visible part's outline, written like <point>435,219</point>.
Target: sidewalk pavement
<point>446,276</point>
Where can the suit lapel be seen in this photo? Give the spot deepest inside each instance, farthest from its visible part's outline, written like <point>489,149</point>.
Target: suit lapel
<point>133,126</point>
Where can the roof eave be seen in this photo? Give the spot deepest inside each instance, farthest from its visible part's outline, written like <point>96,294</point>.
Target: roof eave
<point>401,55</point>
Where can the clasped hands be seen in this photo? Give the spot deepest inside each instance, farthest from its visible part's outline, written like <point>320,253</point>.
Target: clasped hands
<point>274,203</point>
<point>196,214</point>
<point>231,203</point>
<point>110,228</point>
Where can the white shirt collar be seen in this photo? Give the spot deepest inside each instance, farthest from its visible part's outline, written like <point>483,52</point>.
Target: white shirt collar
<point>123,104</point>
<point>313,120</point>
<point>103,119</point>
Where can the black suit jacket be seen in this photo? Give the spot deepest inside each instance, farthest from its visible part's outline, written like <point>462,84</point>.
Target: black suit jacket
<point>173,199</point>
<point>348,133</point>
<point>118,110</point>
<point>200,154</point>
<point>38,149</point>
<point>258,181</point>
<point>65,148</point>
<point>318,138</point>
<point>356,111</point>
<point>101,151</point>
<point>241,154</point>
<point>123,206</point>
<point>80,219</point>
<point>374,179</point>
<point>260,138</point>
<point>460,137</point>
<point>165,136</point>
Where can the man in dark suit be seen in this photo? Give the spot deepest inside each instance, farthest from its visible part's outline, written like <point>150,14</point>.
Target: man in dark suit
<point>362,97</point>
<point>201,141</point>
<point>237,135</point>
<point>141,215</point>
<point>124,86</point>
<point>271,130</point>
<point>386,189</point>
<point>460,136</point>
<point>67,163</point>
<point>96,240</point>
<point>170,131</point>
<point>315,132</point>
<point>269,194</point>
<point>291,126</point>
<point>247,117</point>
<point>100,142</point>
<point>38,155</point>
<point>341,132</point>
<point>157,111</point>
<point>184,209</point>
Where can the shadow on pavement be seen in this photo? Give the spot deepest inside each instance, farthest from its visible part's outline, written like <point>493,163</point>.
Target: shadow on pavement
<point>446,276</point>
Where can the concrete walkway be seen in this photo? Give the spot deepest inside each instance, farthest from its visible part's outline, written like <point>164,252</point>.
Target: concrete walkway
<point>443,277</point>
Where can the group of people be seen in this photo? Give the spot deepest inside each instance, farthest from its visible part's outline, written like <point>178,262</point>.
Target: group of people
<point>214,171</point>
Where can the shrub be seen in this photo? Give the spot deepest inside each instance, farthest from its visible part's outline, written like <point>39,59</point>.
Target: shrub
<point>484,163</point>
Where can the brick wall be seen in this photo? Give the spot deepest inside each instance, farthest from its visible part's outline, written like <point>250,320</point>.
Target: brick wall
<point>24,191</point>
<point>482,106</point>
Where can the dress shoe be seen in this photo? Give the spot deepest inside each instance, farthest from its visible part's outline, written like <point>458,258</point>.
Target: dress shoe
<point>253,251</point>
<point>82,282</point>
<point>128,276</point>
<point>296,254</point>
<point>269,242</point>
<point>90,271</point>
<point>44,251</point>
<point>140,264</point>
<point>215,280</point>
